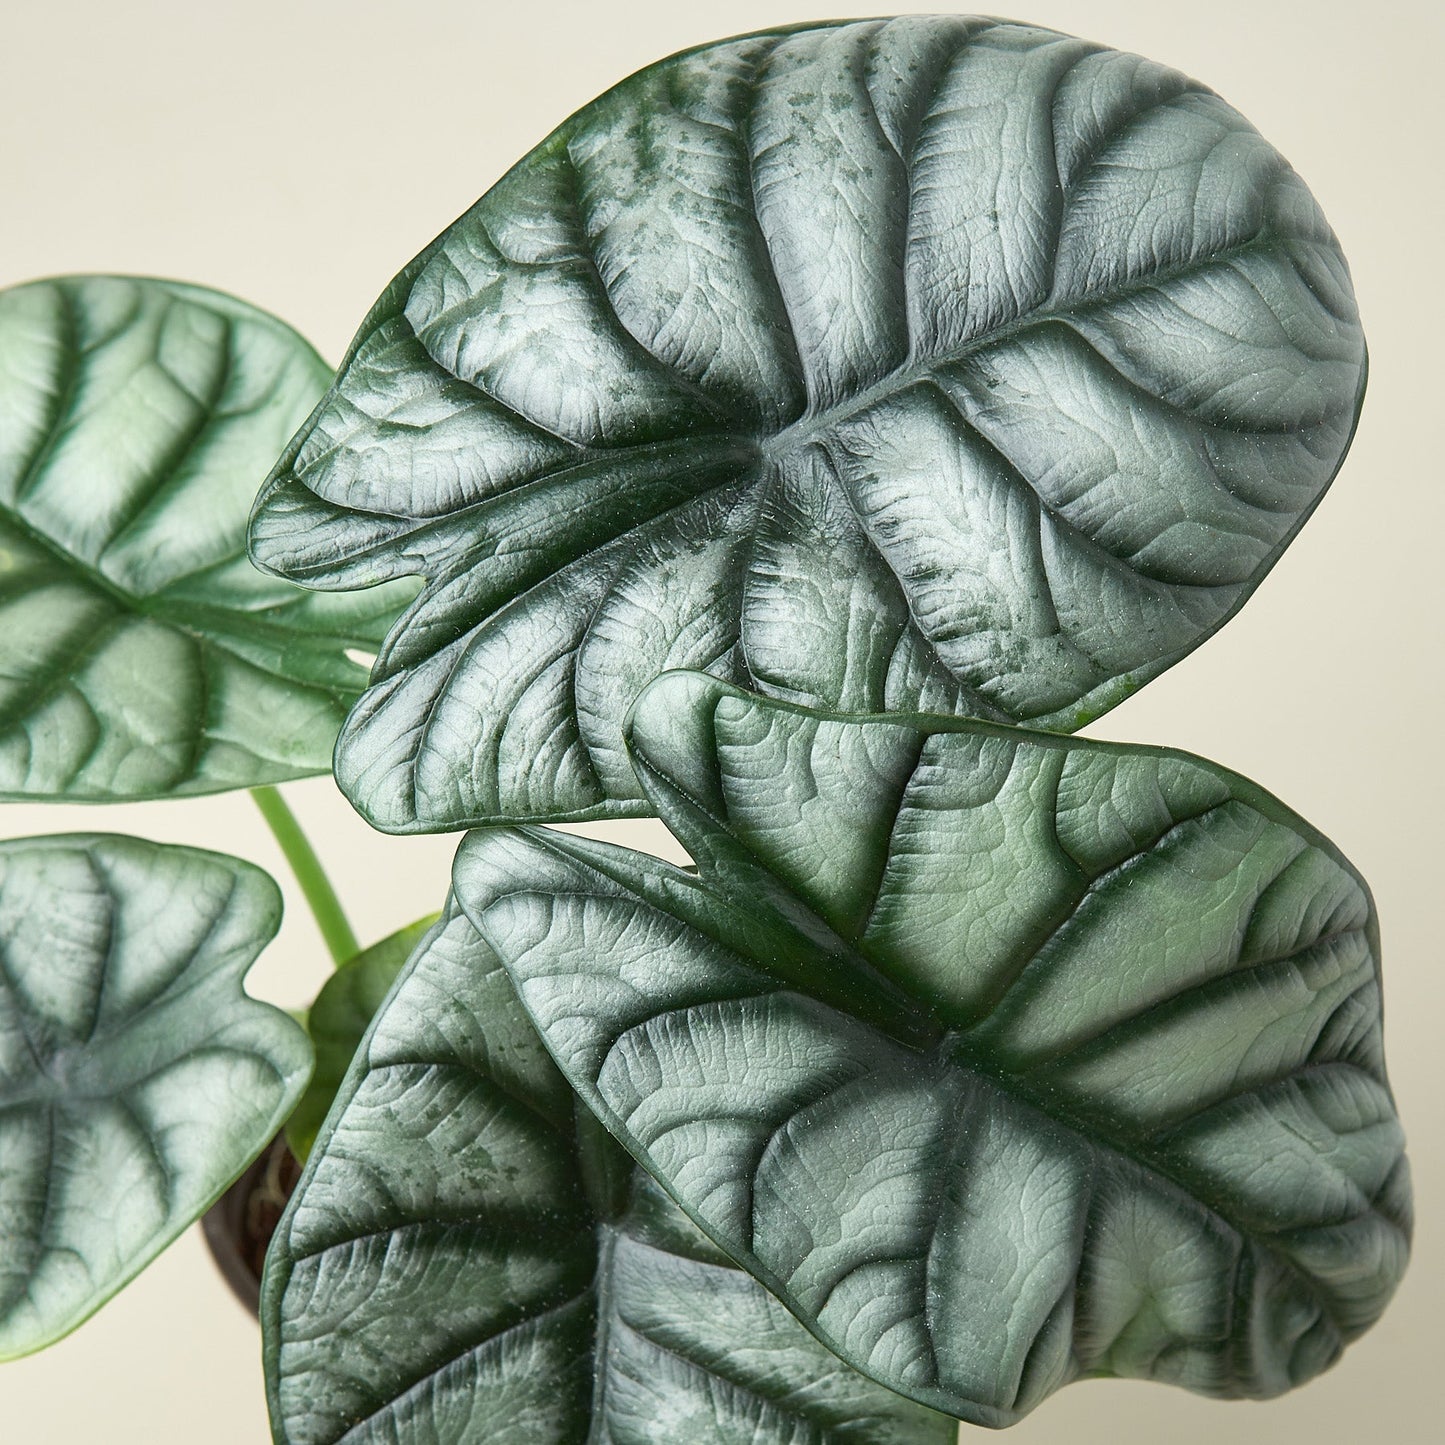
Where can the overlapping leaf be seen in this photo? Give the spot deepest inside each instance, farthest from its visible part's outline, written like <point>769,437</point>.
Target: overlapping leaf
<point>140,652</point>
<point>1003,1058</point>
<point>137,1080</point>
<point>467,1261</point>
<point>923,364</point>
<point>338,1019</point>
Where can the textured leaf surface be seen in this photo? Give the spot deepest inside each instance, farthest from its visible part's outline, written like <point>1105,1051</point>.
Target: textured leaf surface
<point>1003,1058</point>
<point>137,1079</point>
<point>140,652</point>
<point>344,1008</point>
<point>467,1261</point>
<point>925,364</point>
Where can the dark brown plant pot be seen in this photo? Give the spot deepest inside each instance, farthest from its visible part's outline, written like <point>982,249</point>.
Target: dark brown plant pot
<point>239,1225</point>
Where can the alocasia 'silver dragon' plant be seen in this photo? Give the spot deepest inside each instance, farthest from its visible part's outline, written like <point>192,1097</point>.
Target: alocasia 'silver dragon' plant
<point>798,446</point>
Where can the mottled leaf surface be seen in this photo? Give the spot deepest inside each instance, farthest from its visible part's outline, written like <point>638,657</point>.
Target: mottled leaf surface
<point>344,1008</point>
<point>141,654</point>
<point>927,364</point>
<point>1003,1058</point>
<point>137,1079</point>
<point>469,1260</point>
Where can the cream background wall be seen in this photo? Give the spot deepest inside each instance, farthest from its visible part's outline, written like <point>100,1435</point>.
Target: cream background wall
<point>298,153</point>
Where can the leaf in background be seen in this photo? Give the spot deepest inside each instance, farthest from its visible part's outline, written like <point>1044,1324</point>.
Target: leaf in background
<point>344,1008</point>
<point>468,1261</point>
<point>926,364</point>
<point>141,654</point>
<point>137,1079</point>
<point>1002,1058</point>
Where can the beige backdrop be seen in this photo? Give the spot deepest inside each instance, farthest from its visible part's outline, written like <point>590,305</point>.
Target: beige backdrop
<point>298,153</point>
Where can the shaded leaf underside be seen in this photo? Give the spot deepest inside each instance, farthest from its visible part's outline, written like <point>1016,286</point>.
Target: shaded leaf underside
<point>924,364</point>
<point>450,1273</point>
<point>140,651</point>
<point>1002,1058</point>
<point>136,1078</point>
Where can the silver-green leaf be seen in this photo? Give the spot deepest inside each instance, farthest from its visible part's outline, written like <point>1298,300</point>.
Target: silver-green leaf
<point>338,1020</point>
<point>1003,1058</point>
<point>137,1079</point>
<point>470,1260</point>
<point>141,654</point>
<point>923,364</point>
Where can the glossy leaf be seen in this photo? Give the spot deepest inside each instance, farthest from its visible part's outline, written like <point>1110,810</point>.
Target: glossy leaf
<point>344,1008</point>
<point>1003,1058</point>
<point>137,1079</point>
<point>468,1261</point>
<point>923,364</point>
<point>141,654</point>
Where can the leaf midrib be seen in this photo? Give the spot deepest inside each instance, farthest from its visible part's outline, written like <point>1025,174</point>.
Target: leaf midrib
<point>814,425</point>
<point>952,1052</point>
<point>1153,1163</point>
<point>238,626</point>
<point>957,1050</point>
<point>79,570</point>
<point>819,425</point>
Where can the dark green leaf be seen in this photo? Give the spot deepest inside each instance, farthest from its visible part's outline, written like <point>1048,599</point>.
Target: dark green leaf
<point>344,1008</point>
<point>137,1079</point>
<point>140,652</point>
<point>1003,1058</point>
<point>459,1265</point>
<point>924,364</point>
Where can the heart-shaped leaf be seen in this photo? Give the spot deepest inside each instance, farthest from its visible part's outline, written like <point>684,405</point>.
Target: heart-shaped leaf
<point>1003,1058</point>
<point>140,652</point>
<point>467,1261</point>
<point>338,1020</point>
<point>137,1079</point>
<point>923,364</point>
